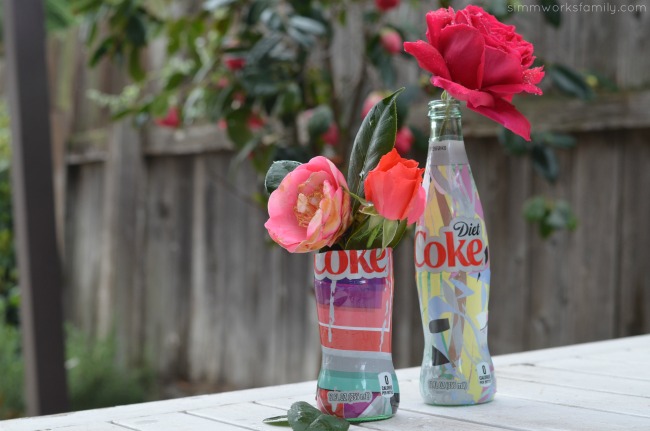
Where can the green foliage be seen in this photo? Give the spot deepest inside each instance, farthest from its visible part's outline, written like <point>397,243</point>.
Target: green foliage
<point>8,266</point>
<point>569,81</point>
<point>94,379</point>
<point>550,215</point>
<point>12,369</point>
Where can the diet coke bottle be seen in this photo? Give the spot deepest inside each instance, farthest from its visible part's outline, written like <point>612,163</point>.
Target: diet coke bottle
<point>452,271</point>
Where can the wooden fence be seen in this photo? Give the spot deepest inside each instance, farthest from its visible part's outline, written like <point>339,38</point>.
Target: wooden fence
<point>164,246</point>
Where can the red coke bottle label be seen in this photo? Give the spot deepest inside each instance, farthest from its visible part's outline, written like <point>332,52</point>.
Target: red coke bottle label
<point>460,246</point>
<point>352,264</point>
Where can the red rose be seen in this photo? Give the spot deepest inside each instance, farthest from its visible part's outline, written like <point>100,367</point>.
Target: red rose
<point>404,140</point>
<point>384,5</point>
<point>172,119</point>
<point>234,63</point>
<point>395,188</point>
<point>477,59</point>
<point>255,122</point>
<point>331,135</point>
<point>390,40</point>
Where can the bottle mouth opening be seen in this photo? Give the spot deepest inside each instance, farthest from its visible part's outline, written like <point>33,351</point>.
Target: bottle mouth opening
<point>439,109</point>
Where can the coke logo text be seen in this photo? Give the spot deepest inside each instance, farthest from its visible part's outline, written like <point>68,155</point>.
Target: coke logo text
<point>459,246</point>
<point>352,264</point>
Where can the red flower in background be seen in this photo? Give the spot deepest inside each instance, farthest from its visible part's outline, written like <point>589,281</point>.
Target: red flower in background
<point>234,63</point>
<point>384,5</point>
<point>331,135</point>
<point>172,119</point>
<point>404,140</point>
<point>371,100</point>
<point>390,40</point>
<point>481,61</point>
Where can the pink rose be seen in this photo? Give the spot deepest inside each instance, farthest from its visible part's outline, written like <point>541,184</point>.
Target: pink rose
<point>404,140</point>
<point>395,188</point>
<point>311,208</point>
<point>384,5</point>
<point>372,99</point>
<point>390,40</point>
<point>172,119</point>
<point>477,59</point>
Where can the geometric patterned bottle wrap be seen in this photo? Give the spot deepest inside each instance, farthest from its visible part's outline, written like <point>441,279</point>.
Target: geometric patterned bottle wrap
<point>453,280</point>
<point>354,297</point>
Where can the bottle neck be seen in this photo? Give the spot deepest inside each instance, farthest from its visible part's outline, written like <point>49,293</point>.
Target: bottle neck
<point>446,122</point>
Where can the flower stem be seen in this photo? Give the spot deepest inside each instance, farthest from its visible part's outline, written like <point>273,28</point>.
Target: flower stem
<point>447,99</point>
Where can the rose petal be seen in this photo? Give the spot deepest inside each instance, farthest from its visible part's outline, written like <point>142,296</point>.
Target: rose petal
<point>428,57</point>
<point>463,48</point>
<point>475,97</point>
<point>501,68</point>
<point>436,21</point>
<point>507,115</point>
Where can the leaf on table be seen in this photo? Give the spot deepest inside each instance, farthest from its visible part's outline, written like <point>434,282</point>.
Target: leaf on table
<point>303,416</point>
<point>278,421</point>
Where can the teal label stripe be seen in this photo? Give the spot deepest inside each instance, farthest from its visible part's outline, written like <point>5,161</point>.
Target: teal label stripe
<point>352,381</point>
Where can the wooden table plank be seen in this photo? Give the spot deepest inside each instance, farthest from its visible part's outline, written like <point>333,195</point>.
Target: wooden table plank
<point>176,422</point>
<point>598,366</point>
<point>524,414</point>
<point>97,426</point>
<point>597,347</point>
<point>572,379</point>
<point>152,408</point>
<point>613,403</point>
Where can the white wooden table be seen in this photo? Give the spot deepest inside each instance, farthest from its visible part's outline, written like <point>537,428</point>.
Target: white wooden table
<point>595,386</point>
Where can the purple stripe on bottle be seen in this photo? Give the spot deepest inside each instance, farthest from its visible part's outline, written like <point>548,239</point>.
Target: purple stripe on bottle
<point>360,293</point>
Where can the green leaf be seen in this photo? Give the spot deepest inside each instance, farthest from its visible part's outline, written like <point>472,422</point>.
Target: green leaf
<point>104,47</point>
<point>135,66</point>
<point>58,15</point>
<point>551,10</point>
<point>174,81</point>
<point>389,232</point>
<point>301,415</point>
<point>559,140</point>
<point>374,232</point>
<point>328,423</point>
<point>376,137</point>
<point>320,121</point>
<point>569,81</point>
<point>212,5</point>
<point>136,32</point>
<point>238,130</point>
<point>514,144</point>
<point>401,230</point>
<point>545,162</point>
<point>535,209</point>
<point>562,216</point>
<point>307,25</point>
<point>277,172</point>
<point>280,421</point>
